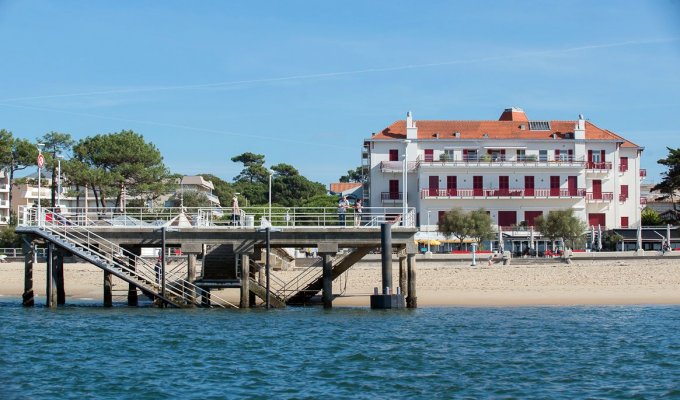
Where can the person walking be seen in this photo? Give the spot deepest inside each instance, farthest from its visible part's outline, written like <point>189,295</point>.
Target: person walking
<point>343,205</point>
<point>358,211</point>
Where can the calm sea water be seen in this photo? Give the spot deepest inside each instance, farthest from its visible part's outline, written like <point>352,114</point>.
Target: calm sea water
<point>534,352</point>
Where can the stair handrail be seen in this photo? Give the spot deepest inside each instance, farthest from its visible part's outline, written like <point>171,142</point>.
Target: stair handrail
<point>80,236</point>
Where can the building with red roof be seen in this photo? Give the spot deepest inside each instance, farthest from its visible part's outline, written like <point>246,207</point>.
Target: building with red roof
<point>514,167</point>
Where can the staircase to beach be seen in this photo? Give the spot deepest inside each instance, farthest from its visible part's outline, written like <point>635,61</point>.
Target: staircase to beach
<point>121,263</point>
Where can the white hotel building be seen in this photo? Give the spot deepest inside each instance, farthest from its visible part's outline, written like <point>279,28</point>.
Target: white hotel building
<point>514,168</point>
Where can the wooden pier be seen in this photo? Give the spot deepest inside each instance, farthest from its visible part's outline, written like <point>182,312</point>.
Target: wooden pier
<point>230,257</point>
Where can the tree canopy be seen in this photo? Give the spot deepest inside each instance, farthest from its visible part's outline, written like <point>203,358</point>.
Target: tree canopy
<point>121,161</point>
<point>561,224</point>
<point>670,182</point>
<point>353,175</point>
<point>15,155</point>
<point>56,145</point>
<point>475,224</point>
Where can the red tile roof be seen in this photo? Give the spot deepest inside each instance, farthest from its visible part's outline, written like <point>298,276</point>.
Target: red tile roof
<point>494,130</point>
<point>340,187</point>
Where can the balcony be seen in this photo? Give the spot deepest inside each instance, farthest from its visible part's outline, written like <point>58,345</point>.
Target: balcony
<point>643,201</point>
<point>391,197</point>
<point>502,162</point>
<point>596,197</point>
<point>623,167</point>
<point>623,197</point>
<point>643,173</point>
<point>398,166</point>
<point>502,193</point>
<point>598,167</point>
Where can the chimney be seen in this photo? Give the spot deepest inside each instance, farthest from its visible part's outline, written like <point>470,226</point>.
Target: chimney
<point>411,129</point>
<point>580,128</point>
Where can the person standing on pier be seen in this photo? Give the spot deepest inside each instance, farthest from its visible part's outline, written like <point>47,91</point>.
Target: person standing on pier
<point>357,212</point>
<point>343,205</point>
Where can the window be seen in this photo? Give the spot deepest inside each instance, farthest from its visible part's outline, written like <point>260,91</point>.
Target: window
<point>449,154</point>
<point>623,166</point>
<point>543,155</point>
<point>624,222</point>
<point>394,155</point>
<point>521,155</point>
<point>623,196</point>
<point>429,155</point>
<point>478,185</point>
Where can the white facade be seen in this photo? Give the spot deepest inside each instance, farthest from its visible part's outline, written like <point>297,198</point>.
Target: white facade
<point>514,168</point>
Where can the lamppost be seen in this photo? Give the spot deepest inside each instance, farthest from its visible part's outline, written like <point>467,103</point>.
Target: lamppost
<point>429,253</point>
<point>59,156</point>
<point>270,194</point>
<point>40,165</point>
<point>405,180</point>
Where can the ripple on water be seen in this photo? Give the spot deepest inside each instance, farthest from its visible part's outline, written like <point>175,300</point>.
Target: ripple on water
<point>532,352</point>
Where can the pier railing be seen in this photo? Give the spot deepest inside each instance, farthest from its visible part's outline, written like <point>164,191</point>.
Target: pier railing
<point>206,217</point>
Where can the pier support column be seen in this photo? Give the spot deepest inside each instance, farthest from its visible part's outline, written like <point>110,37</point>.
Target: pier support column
<point>132,296</point>
<point>245,280</point>
<point>191,274</point>
<point>28,247</point>
<point>108,289</point>
<point>252,299</point>
<point>402,270</point>
<point>411,297</point>
<point>205,297</point>
<point>58,268</point>
<point>327,251</point>
<point>51,289</point>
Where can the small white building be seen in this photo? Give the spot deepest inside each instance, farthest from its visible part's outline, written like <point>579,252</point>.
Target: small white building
<point>515,168</point>
<point>4,197</point>
<point>198,184</point>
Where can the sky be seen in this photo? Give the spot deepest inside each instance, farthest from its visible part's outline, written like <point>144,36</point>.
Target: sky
<point>304,82</point>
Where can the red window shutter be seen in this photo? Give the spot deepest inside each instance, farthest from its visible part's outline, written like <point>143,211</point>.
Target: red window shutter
<point>590,156</point>
<point>465,154</point>
<point>557,155</point>
<point>570,154</point>
<point>440,215</point>
<point>429,155</point>
<point>394,155</point>
<point>602,156</point>
<point>624,222</point>
<point>624,192</point>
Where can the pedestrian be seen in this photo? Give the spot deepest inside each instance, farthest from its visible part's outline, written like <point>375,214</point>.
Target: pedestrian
<point>235,210</point>
<point>343,205</point>
<point>358,211</point>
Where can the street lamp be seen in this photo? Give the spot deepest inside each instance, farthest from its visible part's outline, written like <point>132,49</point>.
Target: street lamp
<point>59,157</point>
<point>429,253</point>
<point>39,146</point>
<point>405,180</point>
<point>270,194</point>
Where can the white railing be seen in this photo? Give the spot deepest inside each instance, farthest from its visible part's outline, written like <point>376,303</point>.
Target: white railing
<point>247,217</point>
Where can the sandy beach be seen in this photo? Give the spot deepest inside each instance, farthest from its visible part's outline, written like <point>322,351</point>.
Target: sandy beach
<point>440,283</point>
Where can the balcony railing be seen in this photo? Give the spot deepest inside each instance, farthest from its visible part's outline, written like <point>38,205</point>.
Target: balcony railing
<point>503,193</point>
<point>623,197</point>
<point>502,161</point>
<point>643,173</point>
<point>391,196</point>
<point>599,196</point>
<point>623,167</point>
<point>398,166</point>
<point>643,201</point>
<point>598,166</point>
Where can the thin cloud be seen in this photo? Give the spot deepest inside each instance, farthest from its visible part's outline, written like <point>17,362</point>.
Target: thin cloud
<point>184,127</point>
<point>342,73</point>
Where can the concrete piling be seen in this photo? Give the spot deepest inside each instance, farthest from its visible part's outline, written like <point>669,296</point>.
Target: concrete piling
<point>108,289</point>
<point>245,281</point>
<point>28,248</point>
<point>51,289</point>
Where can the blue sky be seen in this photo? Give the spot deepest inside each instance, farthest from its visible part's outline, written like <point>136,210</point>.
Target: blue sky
<point>305,82</point>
